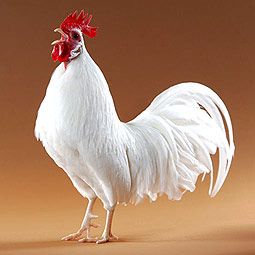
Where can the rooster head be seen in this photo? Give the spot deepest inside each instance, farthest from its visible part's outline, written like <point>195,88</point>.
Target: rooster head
<point>70,45</point>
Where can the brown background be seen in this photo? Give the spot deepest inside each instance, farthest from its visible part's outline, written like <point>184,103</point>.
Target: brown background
<point>142,47</point>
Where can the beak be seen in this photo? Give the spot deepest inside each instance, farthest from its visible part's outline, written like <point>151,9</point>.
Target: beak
<point>55,42</point>
<point>59,30</point>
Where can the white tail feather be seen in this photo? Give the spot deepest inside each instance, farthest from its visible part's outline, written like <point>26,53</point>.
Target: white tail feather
<point>192,132</point>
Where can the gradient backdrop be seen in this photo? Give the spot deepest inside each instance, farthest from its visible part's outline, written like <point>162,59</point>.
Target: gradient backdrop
<point>143,47</point>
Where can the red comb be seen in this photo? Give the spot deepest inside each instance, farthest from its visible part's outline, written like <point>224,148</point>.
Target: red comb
<point>80,21</point>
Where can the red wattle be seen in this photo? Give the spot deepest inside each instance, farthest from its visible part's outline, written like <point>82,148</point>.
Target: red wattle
<point>61,52</point>
<point>55,52</point>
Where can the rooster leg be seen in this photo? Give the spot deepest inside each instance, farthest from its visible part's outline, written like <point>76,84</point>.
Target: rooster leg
<point>85,226</point>
<point>107,234</point>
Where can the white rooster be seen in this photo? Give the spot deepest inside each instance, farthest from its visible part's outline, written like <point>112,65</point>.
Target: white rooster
<point>161,151</point>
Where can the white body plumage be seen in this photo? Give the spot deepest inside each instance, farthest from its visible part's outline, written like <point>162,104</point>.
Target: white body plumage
<point>163,150</point>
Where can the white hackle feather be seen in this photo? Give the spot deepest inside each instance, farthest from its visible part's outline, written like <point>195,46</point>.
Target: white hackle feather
<point>163,150</point>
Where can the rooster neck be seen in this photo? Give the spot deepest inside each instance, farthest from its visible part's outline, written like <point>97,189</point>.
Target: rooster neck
<point>99,101</point>
<point>87,107</point>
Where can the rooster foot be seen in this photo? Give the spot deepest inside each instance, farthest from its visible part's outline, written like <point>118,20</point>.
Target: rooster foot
<point>105,239</point>
<point>75,236</point>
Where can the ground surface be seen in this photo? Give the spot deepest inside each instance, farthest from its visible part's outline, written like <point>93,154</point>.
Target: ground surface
<point>195,225</point>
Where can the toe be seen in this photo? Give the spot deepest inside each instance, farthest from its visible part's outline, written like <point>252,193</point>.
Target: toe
<point>67,238</point>
<point>113,237</point>
<point>103,240</point>
<point>71,237</point>
<point>88,240</point>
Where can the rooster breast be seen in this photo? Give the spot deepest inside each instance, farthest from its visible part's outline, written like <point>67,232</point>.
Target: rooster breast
<point>82,135</point>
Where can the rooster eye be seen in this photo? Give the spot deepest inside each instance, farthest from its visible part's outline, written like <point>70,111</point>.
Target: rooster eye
<point>75,36</point>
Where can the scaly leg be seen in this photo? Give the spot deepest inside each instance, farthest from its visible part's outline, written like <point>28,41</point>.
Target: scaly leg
<point>107,234</point>
<point>85,226</point>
